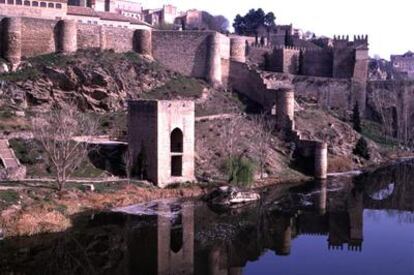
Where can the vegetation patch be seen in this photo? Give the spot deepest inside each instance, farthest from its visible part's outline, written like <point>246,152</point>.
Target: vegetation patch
<point>9,197</point>
<point>239,170</point>
<point>180,86</point>
<point>374,132</point>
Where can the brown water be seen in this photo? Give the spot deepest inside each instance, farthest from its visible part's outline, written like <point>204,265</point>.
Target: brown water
<point>361,225</point>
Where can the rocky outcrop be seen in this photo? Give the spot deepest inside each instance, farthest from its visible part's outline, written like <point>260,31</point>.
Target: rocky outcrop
<point>102,85</point>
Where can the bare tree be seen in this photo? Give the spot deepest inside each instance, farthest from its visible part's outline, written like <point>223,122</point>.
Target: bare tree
<point>381,103</point>
<point>231,134</point>
<point>65,135</point>
<point>262,138</point>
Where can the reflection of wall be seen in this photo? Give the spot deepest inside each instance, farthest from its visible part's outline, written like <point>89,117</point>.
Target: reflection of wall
<point>181,260</point>
<point>168,247</point>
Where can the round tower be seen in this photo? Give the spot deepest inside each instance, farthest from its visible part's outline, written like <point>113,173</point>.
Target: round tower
<point>143,42</point>
<point>13,40</point>
<point>285,109</point>
<point>321,160</point>
<point>238,49</point>
<point>68,36</point>
<point>102,38</point>
<point>214,66</point>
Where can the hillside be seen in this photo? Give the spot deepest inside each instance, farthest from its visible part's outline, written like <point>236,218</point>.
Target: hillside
<point>101,82</point>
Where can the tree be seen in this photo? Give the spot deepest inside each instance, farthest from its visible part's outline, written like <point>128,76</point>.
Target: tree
<point>262,139</point>
<point>217,23</point>
<point>65,135</point>
<point>356,119</point>
<point>381,101</point>
<point>249,23</point>
<point>220,24</point>
<point>237,167</point>
<point>361,149</point>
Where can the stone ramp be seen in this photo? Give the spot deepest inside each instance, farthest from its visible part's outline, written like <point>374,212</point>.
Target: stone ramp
<point>12,166</point>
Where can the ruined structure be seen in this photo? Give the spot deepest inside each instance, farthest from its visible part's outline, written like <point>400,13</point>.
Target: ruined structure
<point>161,140</point>
<point>404,64</point>
<point>10,166</point>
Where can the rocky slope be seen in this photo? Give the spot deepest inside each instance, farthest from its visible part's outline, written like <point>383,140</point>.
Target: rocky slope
<point>102,82</point>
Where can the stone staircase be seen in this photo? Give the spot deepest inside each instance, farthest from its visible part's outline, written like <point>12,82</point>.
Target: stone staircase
<point>13,170</point>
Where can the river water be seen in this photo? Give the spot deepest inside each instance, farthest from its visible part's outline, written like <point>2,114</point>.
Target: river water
<point>346,225</point>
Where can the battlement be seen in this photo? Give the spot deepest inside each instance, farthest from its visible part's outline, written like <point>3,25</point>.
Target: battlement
<point>292,48</point>
<point>343,41</point>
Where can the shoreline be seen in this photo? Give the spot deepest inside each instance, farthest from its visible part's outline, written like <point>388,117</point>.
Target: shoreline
<point>41,209</point>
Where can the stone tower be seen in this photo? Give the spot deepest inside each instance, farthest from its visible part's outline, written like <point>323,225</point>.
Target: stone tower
<point>161,140</point>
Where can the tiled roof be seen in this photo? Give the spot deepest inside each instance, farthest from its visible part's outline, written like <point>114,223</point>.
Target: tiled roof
<point>83,11</point>
<point>112,16</point>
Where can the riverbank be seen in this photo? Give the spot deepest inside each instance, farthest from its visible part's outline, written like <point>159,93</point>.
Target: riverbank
<point>29,208</point>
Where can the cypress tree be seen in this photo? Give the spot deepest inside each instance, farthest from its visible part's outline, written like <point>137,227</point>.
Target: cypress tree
<point>356,119</point>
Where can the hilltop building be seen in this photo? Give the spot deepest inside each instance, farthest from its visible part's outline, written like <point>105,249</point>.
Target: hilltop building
<point>404,64</point>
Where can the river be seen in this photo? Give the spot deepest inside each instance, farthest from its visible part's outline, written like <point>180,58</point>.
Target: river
<point>345,225</point>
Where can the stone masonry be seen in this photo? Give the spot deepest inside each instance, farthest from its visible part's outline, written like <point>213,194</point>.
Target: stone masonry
<point>161,140</point>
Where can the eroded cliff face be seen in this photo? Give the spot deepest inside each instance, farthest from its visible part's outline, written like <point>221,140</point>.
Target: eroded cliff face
<point>98,81</point>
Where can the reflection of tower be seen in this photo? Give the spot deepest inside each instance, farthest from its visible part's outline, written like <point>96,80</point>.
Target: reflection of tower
<point>175,241</point>
<point>283,238</point>
<point>322,197</point>
<point>218,263</point>
<point>356,213</point>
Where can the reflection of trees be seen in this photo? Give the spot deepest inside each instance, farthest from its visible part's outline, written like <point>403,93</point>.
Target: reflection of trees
<point>402,198</point>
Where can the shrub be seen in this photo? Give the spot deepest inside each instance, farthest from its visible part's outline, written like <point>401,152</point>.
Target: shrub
<point>356,119</point>
<point>239,170</point>
<point>361,149</point>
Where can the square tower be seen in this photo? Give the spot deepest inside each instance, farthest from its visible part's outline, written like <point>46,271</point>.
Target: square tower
<point>161,140</point>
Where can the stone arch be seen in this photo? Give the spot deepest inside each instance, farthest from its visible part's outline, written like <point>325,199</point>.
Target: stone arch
<point>176,141</point>
<point>176,148</point>
<point>176,232</point>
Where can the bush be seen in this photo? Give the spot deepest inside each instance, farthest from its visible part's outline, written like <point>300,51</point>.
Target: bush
<point>356,119</point>
<point>361,149</point>
<point>239,170</point>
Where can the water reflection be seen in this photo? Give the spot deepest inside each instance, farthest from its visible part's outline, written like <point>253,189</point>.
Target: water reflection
<point>192,238</point>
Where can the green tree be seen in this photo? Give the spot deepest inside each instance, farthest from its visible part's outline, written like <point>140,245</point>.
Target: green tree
<point>239,170</point>
<point>361,149</point>
<point>356,119</point>
<point>251,21</point>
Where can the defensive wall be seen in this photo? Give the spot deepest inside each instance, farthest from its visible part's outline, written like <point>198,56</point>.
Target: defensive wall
<point>202,54</point>
<point>278,96</point>
<point>393,101</point>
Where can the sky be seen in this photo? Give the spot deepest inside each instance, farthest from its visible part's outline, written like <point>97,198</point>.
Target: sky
<point>386,22</point>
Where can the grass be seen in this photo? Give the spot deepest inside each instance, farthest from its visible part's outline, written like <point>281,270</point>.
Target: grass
<point>87,170</point>
<point>9,196</point>
<point>373,131</point>
<point>179,86</point>
<point>113,124</point>
<point>34,71</point>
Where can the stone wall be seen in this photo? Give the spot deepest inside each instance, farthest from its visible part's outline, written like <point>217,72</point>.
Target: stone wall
<point>120,40</point>
<point>249,82</point>
<point>38,36</point>
<point>395,100</point>
<point>316,63</point>
<point>90,36</point>
<point>186,53</point>
<point>142,138</point>
<point>150,135</point>
<point>343,62</point>
<point>284,60</point>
